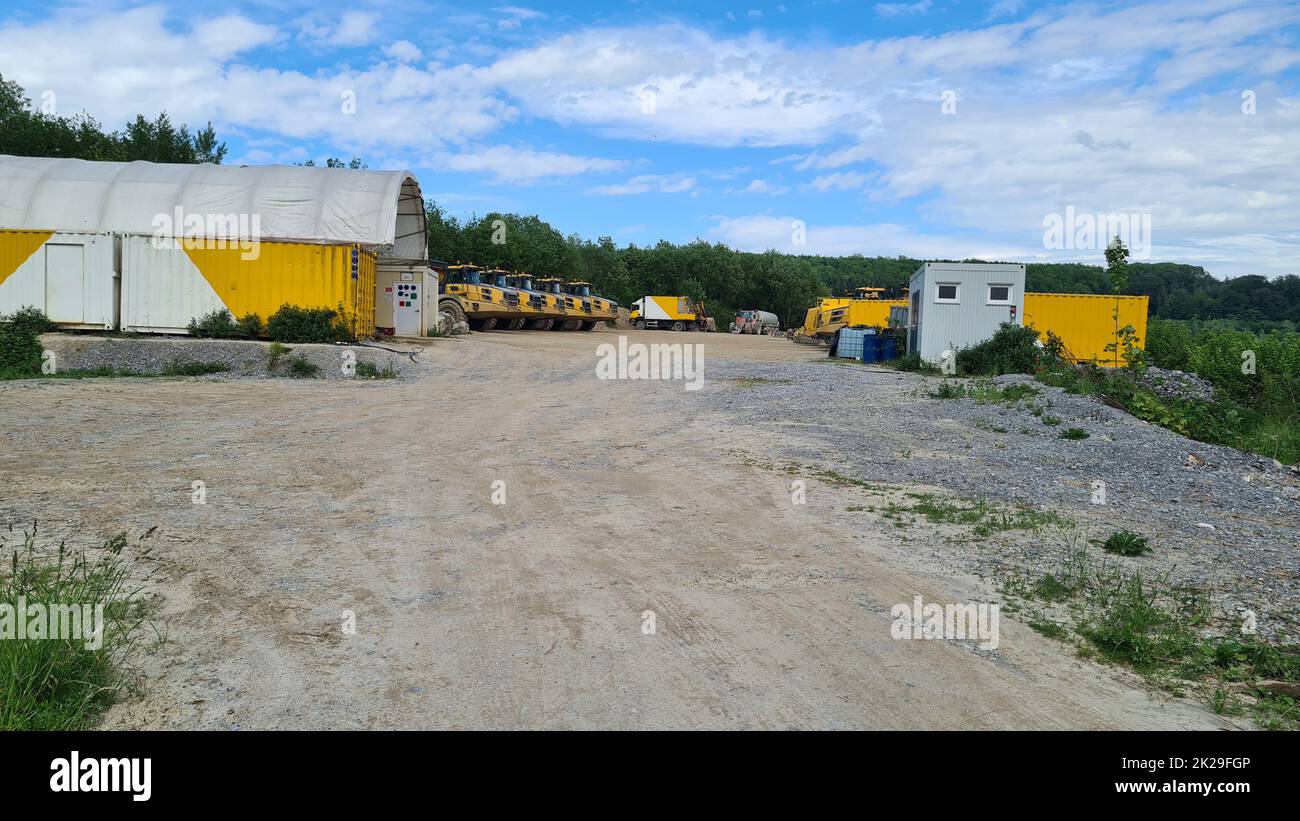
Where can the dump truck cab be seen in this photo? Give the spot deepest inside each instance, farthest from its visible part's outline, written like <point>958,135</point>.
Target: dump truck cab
<point>545,308</point>
<point>602,308</point>
<point>482,303</point>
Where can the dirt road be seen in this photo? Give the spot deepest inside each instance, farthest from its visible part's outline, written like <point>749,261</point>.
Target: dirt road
<point>621,497</point>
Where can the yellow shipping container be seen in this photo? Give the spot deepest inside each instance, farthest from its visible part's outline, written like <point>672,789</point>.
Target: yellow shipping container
<point>1087,323</point>
<point>164,288</point>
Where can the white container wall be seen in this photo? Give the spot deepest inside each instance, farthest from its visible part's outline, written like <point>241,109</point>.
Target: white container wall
<point>69,276</point>
<point>162,289</point>
<point>960,304</point>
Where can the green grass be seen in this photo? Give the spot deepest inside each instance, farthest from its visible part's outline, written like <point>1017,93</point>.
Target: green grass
<point>1075,433</point>
<point>984,392</point>
<point>1126,543</point>
<point>101,372</point>
<point>300,368</point>
<point>194,368</point>
<point>59,683</point>
<point>1051,629</point>
<point>756,381</point>
<point>1142,622</point>
<point>983,518</point>
<point>1050,420</point>
<point>368,370</point>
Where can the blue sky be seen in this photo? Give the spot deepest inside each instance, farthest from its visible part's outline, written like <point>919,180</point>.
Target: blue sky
<point>941,128</point>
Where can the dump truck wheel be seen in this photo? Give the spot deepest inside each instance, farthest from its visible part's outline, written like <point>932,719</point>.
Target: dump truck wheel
<point>589,326</point>
<point>490,323</point>
<point>514,324</point>
<point>639,324</point>
<point>679,326</point>
<point>542,324</point>
<point>452,308</point>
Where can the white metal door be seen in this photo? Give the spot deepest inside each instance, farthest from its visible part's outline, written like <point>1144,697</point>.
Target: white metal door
<point>406,309</point>
<point>65,272</point>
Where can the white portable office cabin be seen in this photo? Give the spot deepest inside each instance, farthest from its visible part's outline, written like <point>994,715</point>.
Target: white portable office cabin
<point>960,304</point>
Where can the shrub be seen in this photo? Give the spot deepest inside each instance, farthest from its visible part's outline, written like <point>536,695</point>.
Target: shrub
<point>274,352</point>
<point>1169,344</point>
<point>1126,543</point>
<point>1074,433</point>
<point>32,320</point>
<point>911,362</point>
<point>216,325</point>
<point>300,368</point>
<point>1013,349</point>
<point>20,351</point>
<point>294,324</point>
<point>250,326</point>
<point>368,370</point>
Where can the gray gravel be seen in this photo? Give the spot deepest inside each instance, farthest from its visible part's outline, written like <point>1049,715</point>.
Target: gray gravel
<point>1215,516</point>
<point>244,359</point>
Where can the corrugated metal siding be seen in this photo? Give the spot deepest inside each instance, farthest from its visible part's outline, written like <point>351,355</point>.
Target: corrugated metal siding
<point>23,278</point>
<point>363,301</point>
<point>945,326</point>
<point>164,288</point>
<point>1087,323</point>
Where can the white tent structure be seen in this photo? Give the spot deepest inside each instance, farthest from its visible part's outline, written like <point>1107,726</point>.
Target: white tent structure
<point>129,245</point>
<point>382,210</point>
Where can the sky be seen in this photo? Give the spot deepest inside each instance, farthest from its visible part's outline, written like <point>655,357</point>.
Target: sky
<point>932,129</point>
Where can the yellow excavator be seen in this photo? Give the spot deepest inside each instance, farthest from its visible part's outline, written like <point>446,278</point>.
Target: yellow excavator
<point>866,308</point>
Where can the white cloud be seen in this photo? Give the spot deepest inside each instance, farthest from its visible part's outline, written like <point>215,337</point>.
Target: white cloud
<point>1005,8</point>
<point>403,50</point>
<point>647,184</point>
<point>524,165</point>
<point>355,28</point>
<point>515,16</point>
<point>840,181</point>
<point>903,9</point>
<point>764,187</point>
<point>762,232</point>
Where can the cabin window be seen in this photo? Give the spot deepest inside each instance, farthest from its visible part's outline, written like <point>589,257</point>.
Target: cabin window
<point>946,292</point>
<point>999,294</point>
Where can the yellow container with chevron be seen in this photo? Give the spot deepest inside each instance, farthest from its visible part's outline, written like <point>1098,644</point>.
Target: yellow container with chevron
<point>163,288</point>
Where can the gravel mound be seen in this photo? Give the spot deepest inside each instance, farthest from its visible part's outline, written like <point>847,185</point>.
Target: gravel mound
<point>1177,384</point>
<point>243,359</point>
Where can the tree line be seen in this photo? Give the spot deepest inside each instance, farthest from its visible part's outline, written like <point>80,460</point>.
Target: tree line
<point>28,130</point>
<point>787,284</point>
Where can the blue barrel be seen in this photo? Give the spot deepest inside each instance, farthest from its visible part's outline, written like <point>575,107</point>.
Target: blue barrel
<point>871,346</point>
<point>888,347</point>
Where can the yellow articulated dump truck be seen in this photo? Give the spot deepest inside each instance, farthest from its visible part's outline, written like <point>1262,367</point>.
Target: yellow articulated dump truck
<point>544,310</point>
<point>678,313</point>
<point>470,297</point>
<point>574,315</point>
<point>602,308</point>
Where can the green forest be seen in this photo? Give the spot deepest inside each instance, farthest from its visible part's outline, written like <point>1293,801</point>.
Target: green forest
<point>723,278</point>
<point>787,285</point>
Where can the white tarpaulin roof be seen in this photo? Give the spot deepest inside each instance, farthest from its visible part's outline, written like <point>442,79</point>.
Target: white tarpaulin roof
<point>379,209</point>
